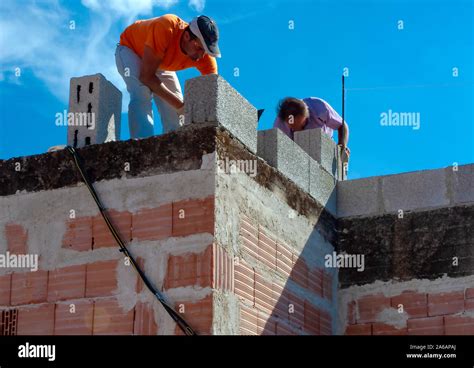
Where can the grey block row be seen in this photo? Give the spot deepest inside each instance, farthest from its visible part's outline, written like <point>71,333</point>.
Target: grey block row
<point>407,192</point>
<point>210,99</point>
<point>320,147</point>
<point>96,105</point>
<point>292,161</point>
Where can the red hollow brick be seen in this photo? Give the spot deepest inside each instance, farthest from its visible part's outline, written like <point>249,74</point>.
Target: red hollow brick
<point>445,303</point>
<point>264,300</point>
<point>426,326</point>
<point>284,260</point>
<point>266,324</point>
<point>17,238</point>
<point>153,223</point>
<point>29,287</point>
<point>145,323</point>
<point>248,321</point>
<point>414,304</point>
<point>299,274</point>
<point>370,306</point>
<point>363,329</point>
<point>223,266</point>
<point>198,314</point>
<point>190,269</point>
<point>101,278</point>
<point>282,297</point>
<point>67,283</point>
<point>266,248</point>
<point>296,312</point>
<point>244,282</point>
<point>311,318</point>
<point>122,222</point>
<point>283,329</point>
<point>248,236</point>
<point>193,216</point>
<point>74,318</point>
<point>78,235</point>
<point>459,325</point>
<point>5,289</point>
<point>315,281</point>
<point>111,319</point>
<point>37,320</point>
<point>325,325</point>
<point>384,329</point>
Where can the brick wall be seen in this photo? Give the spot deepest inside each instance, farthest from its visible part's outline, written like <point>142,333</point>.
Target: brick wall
<point>277,288</point>
<point>85,298</point>
<point>432,313</point>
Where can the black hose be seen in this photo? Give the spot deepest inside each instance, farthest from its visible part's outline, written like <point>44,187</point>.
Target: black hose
<point>174,315</point>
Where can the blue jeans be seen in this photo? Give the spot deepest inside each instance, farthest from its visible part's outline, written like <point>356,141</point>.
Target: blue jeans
<point>140,114</point>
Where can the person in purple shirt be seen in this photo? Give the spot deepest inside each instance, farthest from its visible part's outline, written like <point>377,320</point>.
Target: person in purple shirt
<point>294,115</point>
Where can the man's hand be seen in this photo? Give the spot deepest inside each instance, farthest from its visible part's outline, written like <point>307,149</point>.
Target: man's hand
<point>345,149</point>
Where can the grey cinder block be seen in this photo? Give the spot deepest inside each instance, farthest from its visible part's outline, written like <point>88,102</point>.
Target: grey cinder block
<point>96,105</point>
<point>320,147</point>
<point>460,184</point>
<point>210,99</point>
<point>359,197</point>
<point>285,155</point>
<point>415,190</point>
<point>322,186</point>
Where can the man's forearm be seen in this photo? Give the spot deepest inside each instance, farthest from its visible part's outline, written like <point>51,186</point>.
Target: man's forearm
<point>157,87</point>
<point>343,135</point>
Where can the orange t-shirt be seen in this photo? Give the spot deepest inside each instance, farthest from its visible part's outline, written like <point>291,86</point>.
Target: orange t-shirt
<point>163,35</point>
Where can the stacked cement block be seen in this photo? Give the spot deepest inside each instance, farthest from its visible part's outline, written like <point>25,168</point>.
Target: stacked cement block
<point>320,147</point>
<point>97,106</point>
<point>210,99</point>
<point>292,161</point>
<point>283,154</point>
<point>412,191</point>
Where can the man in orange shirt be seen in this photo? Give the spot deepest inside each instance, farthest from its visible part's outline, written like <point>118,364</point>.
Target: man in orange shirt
<point>147,57</point>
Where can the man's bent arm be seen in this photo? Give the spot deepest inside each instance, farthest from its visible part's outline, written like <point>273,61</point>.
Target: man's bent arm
<point>343,135</point>
<point>150,64</point>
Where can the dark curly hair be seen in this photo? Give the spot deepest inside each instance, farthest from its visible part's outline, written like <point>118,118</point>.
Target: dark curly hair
<point>290,106</point>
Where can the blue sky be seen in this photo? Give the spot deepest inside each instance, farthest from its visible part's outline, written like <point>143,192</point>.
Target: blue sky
<point>402,70</point>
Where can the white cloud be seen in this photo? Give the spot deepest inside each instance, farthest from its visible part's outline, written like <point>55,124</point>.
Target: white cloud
<point>197,5</point>
<point>129,9</point>
<point>37,36</point>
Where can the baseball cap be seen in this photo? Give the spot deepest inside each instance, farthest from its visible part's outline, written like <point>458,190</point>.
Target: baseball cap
<point>206,30</point>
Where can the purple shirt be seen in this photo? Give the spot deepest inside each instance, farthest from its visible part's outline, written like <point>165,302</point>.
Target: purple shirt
<point>321,115</point>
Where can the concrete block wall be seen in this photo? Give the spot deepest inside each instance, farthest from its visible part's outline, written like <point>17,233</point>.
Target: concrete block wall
<point>296,162</point>
<point>415,231</point>
<point>320,147</point>
<point>84,285</point>
<point>278,236</point>
<point>97,107</point>
<point>419,190</point>
<point>237,251</point>
<point>211,99</point>
<point>185,222</point>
